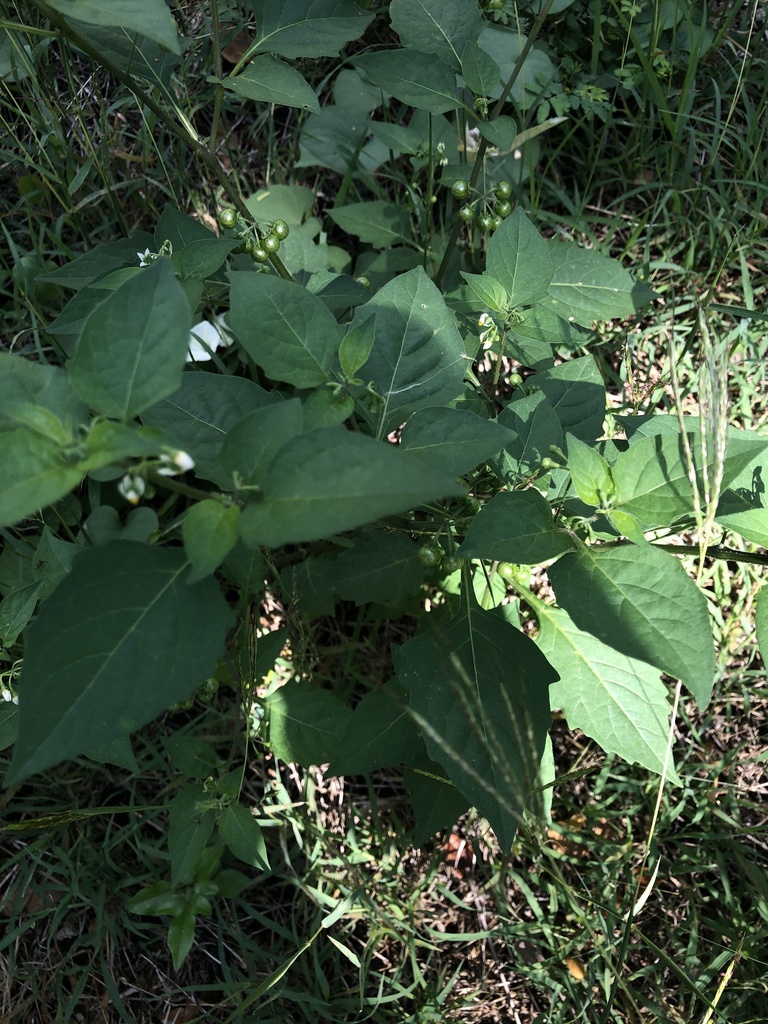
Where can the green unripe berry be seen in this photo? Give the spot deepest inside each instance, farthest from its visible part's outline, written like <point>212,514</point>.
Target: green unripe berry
<point>451,563</point>
<point>280,229</point>
<point>515,380</point>
<point>364,281</point>
<point>502,190</point>
<point>460,189</point>
<point>495,5</point>
<point>467,214</point>
<point>503,208</point>
<point>485,222</point>
<point>508,571</point>
<point>430,556</point>
<point>548,463</point>
<point>228,219</point>
<point>259,254</point>
<point>271,243</point>
<point>496,223</point>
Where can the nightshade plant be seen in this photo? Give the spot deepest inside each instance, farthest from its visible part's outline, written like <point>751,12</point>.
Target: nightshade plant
<point>346,447</point>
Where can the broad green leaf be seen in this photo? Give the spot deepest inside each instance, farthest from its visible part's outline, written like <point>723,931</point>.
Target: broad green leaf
<point>640,601</point>
<point>540,324</point>
<point>202,412</point>
<point>245,568</point>
<point>652,481</point>
<point>326,409</point>
<point>336,137</point>
<point>505,46</point>
<point>118,751</point>
<point>454,439</point>
<point>619,702</point>
<point>270,80</point>
<point>23,382</point>
<point>242,834</point>
<point>202,258</point>
<point>158,900</point>
<point>331,479</point>
<point>586,286</point>
<point>515,526</point>
<point>210,532</point>
<point>442,27</point>
<point>305,723</point>
<point>356,348</point>
<point>190,825</point>
<point>53,560</point>
<point>307,28</point>
<point>481,74</point>
<point>133,346</point>
<point>418,79</point>
<point>254,440</point>
<point>284,328</point>
<point>150,18</point>
<point>519,258</point>
<point>9,724</point>
<point>743,507</point>
<point>378,223</point>
<point>130,52</point>
<point>537,428</point>
<point>181,936</point>
<point>398,138</point>
<point>118,641</point>
<point>380,733</point>
<point>34,472</point>
<point>180,230</point>
<point>418,357</point>
<point>590,473</point>
<point>486,292</point>
<point>501,132</point>
<point>16,610</point>
<point>437,804</point>
<point>309,585</point>
<point>192,757</point>
<point>100,260</point>
<point>577,394</point>
<point>381,567</point>
<point>479,691</point>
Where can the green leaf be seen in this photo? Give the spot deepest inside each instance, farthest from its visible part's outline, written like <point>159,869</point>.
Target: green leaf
<point>245,568</point>
<point>181,936</point>
<point>652,481</point>
<point>442,27</point>
<point>505,46</point>
<point>269,80</point>
<point>36,384</point>
<point>99,261</point>
<point>203,257</point>
<point>202,412</point>
<point>35,473</point>
<point>150,18</point>
<point>193,758</point>
<point>356,348</point>
<point>158,900</point>
<point>119,640</point>
<point>515,526</point>
<point>381,567</point>
<point>519,258</point>
<point>133,346</point>
<point>242,834</point>
<point>501,132</point>
<point>307,28</point>
<point>398,138</point>
<point>132,53</point>
<point>537,428</point>
<point>53,560</point>
<point>16,610</point>
<point>284,328</point>
<point>305,723</point>
<point>590,473</point>
<point>587,286</point>
<point>190,824</point>
<point>417,359</point>
<point>254,440</point>
<point>481,74</point>
<point>418,79</point>
<point>479,690</point>
<point>540,324</point>
<point>331,479</point>
<point>210,532</point>
<point>486,292</point>
<point>640,601</point>
<point>309,585</point>
<point>378,223</point>
<point>617,701</point>
<point>455,440</point>
<point>577,394</point>
<point>118,751</point>
<point>437,804</point>
<point>380,733</point>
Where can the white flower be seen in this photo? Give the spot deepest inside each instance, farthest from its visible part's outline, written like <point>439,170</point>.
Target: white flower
<point>146,257</point>
<point>132,488</point>
<point>206,337</point>
<point>174,462</point>
<point>491,332</point>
